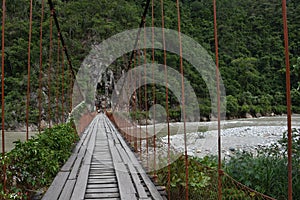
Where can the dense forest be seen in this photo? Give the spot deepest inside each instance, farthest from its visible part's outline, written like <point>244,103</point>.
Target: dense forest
<point>250,46</point>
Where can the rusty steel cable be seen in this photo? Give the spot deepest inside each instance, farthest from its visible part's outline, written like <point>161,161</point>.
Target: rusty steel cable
<point>141,25</point>
<point>2,75</point>
<point>70,89</point>
<point>61,37</point>
<point>71,69</point>
<point>146,96</point>
<point>41,66</point>
<point>288,99</point>
<point>183,104</point>
<point>135,144</point>
<point>49,68</point>
<point>62,86</point>
<point>57,76</point>
<point>140,99</point>
<point>128,133</point>
<point>246,188</point>
<point>167,95</point>
<point>154,96</point>
<point>220,173</point>
<point>28,71</point>
<point>2,90</point>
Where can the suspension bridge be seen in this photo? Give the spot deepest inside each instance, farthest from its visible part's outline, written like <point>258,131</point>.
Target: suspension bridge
<point>102,166</point>
<point>105,163</point>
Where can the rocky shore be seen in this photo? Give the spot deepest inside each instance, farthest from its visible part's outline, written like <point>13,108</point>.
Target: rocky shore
<point>237,135</point>
<point>246,138</point>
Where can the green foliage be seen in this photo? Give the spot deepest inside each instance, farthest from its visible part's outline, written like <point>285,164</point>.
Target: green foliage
<point>138,115</point>
<point>266,172</point>
<point>250,40</point>
<point>200,173</point>
<point>33,164</point>
<point>203,181</point>
<point>232,106</point>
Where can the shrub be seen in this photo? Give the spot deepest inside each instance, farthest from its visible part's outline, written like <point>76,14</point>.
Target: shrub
<point>267,171</point>
<point>33,164</point>
<point>201,171</point>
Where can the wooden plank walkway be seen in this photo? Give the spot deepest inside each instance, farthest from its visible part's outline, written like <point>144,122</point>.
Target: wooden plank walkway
<point>102,166</point>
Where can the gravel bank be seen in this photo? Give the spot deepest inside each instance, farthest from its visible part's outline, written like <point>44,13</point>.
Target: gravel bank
<point>246,138</point>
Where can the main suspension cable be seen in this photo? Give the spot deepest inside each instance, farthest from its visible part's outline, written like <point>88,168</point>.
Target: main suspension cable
<point>71,69</point>
<point>61,37</point>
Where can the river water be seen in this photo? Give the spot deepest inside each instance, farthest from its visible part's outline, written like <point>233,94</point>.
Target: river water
<point>10,137</point>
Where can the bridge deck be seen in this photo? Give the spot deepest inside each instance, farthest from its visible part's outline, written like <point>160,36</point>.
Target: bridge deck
<point>102,167</point>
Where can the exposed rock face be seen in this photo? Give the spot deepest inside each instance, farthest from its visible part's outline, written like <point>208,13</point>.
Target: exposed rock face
<point>248,115</point>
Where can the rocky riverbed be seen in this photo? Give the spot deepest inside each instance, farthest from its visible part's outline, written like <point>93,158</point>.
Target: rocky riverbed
<point>237,135</point>
<point>246,138</point>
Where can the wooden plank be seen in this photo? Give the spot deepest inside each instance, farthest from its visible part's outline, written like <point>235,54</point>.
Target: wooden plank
<point>81,183</point>
<point>68,165</point>
<point>102,176</point>
<point>130,154</point>
<point>97,171</point>
<point>90,149</point>
<point>123,154</point>
<point>83,136</point>
<point>110,185</point>
<point>76,166</point>
<point>151,187</point>
<point>102,181</point>
<point>67,191</point>
<point>102,161</point>
<point>79,144</point>
<point>108,199</point>
<point>102,190</point>
<point>114,153</point>
<point>133,160</point>
<point>126,187</point>
<point>137,182</point>
<point>56,187</point>
<point>103,195</point>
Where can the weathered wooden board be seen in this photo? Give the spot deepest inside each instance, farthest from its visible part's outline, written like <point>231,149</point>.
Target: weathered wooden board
<point>102,190</point>
<point>57,186</point>
<point>68,190</point>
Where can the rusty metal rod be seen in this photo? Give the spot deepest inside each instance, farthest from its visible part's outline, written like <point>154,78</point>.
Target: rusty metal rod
<point>2,89</point>
<point>288,99</point>
<point>167,95</point>
<point>183,104</point>
<point>218,102</point>
<point>28,68</point>
<point>41,67</point>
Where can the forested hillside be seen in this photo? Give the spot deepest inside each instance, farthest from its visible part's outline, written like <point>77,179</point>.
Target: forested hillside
<point>250,46</point>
